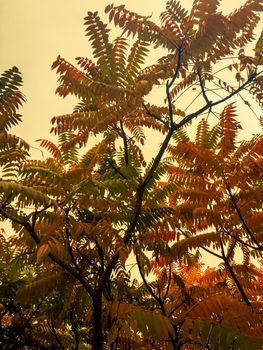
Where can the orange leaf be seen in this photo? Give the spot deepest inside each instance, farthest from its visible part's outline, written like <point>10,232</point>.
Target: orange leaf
<point>42,251</point>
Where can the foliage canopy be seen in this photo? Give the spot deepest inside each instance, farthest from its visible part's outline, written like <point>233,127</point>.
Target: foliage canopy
<point>82,212</point>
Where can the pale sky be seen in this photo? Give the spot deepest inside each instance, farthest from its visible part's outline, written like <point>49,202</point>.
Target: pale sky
<point>34,32</point>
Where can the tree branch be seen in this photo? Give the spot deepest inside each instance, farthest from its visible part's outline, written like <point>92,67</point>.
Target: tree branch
<point>125,144</point>
<point>141,187</point>
<point>88,259</point>
<point>70,250</point>
<point>199,73</point>
<point>56,260</point>
<point>240,240</point>
<point>211,104</point>
<point>169,85</point>
<point>175,308</point>
<point>231,271</point>
<point>155,297</point>
<point>101,255</point>
<point>168,284</point>
<point>178,66</point>
<point>128,234</point>
<point>202,247</point>
<point>116,169</point>
<point>250,234</point>
<point>53,331</point>
<point>37,212</point>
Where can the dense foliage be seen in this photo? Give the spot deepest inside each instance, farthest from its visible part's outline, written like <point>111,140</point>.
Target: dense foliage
<point>83,215</point>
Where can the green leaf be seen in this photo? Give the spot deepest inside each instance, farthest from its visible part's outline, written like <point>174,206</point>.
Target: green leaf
<point>26,194</point>
<point>226,338</point>
<point>205,332</point>
<point>214,335</point>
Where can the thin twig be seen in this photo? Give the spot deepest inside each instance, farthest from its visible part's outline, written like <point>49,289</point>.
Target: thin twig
<point>148,287</point>
<point>209,105</point>
<point>53,331</point>
<point>250,234</point>
<point>201,83</point>
<point>125,144</point>
<point>202,247</point>
<point>55,259</point>
<point>116,169</point>
<point>193,100</point>
<point>231,271</point>
<point>175,308</point>
<point>240,240</point>
<point>168,284</point>
<point>178,66</point>
<point>170,83</point>
<point>148,112</point>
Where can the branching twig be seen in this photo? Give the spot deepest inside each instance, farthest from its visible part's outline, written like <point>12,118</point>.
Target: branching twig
<point>178,66</point>
<point>239,240</point>
<point>23,325</point>
<point>157,299</point>
<point>88,259</point>
<point>101,255</point>
<point>55,259</point>
<point>70,250</point>
<point>148,112</point>
<point>142,186</point>
<point>175,308</point>
<point>202,247</point>
<point>211,104</point>
<point>193,100</point>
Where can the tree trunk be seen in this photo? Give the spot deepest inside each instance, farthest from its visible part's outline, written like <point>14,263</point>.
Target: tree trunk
<point>97,323</point>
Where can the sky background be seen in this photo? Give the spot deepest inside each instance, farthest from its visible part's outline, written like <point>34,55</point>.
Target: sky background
<point>34,32</point>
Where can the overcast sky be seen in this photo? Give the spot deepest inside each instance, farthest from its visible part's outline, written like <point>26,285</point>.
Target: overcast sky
<point>34,32</point>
